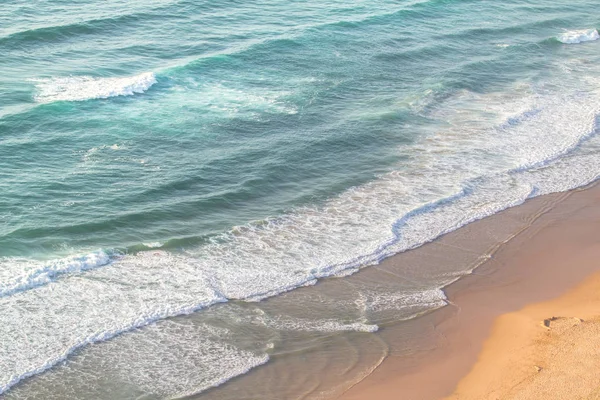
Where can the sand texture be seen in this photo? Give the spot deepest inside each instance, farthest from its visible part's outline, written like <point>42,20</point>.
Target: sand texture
<point>549,350</point>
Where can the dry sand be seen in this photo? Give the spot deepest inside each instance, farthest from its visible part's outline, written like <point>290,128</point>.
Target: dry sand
<point>493,341</point>
<point>549,350</point>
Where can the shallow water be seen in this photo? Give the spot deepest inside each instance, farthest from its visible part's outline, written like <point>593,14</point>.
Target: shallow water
<point>186,159</point>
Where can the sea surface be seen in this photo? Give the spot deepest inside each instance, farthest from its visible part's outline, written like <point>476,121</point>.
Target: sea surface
<point>169,169</point>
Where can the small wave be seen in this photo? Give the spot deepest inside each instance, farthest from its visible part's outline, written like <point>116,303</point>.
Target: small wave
<point>578,36</point>
<point>189,357</point>
<point>68,24</point>
<point>80,88</point>
<point>78,331</point>
<point>153,245</point>
<point>101,336</point>
<point>319,325</point>
<point>34,274</point>
<point>380,301</point>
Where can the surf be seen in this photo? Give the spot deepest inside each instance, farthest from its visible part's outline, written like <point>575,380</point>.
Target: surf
<point>578,36</point>
<point>81,88</point>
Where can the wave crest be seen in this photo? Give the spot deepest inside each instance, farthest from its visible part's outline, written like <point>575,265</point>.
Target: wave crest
<point>80,88</point>
<point>21,276</point>
<point>578,36</point>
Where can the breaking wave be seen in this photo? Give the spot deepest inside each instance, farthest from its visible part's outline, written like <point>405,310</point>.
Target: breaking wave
<point>578,36</point>
<point>81,88</point>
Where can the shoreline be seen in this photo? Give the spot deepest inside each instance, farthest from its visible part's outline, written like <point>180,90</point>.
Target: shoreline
<point>546,350</point>
<point>527,269</point>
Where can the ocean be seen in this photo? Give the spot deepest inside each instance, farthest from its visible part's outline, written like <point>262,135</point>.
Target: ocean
<point>179,178</point>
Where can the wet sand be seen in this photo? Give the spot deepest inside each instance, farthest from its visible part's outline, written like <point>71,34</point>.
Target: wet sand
<point>469,359</point>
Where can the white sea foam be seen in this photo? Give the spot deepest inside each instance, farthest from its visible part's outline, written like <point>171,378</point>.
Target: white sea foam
<point>223,101</point>
<point>578,36</point>
<point>475,166</point>
<point>66,317</point>
<point>153,245</point>
<point>317,325</point>
<point>17,275</point>
<point>187,357</point>
<point>80,88</point>
<point>378,301</point>
<point>202,357</point>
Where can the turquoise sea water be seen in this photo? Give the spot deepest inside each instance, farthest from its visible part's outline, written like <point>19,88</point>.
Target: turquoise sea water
<point>158,158</point>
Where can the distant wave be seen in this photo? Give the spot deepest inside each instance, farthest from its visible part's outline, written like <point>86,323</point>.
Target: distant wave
<point>80,88</point>
<point>578,36</point>
<point>81,24</point>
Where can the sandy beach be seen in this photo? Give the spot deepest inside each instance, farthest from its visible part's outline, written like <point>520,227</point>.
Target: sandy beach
<point>548,350</point>
<point>524,325</point>
<point>297,200</point>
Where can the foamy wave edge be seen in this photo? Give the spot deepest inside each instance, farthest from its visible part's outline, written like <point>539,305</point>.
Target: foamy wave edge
<point>235,372</point>
<point>141,321</point>
<point>81,88</point>
<point>384,250</point>
<point>351,266</point>
<point>578,36</point>
<point>42,273</point>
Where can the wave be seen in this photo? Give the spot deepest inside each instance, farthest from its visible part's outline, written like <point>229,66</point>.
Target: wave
<point>464,174</point>
<point>190,357</point>
<point>102,336</point>
<point>81,88</point>
<point>377,301</point>
<point>298,325</point>
<point>578,36</point>
<point>45,34</point>
<point>461,175</point>
<point>20,275</point>
<point>121,319</point>
<point>265,44</point>
<point>90,23</point>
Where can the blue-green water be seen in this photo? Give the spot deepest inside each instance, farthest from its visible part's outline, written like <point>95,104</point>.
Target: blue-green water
<point>159,157</point>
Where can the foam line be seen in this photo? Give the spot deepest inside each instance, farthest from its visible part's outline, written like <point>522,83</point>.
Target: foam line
<point>578,36</point>
<point>81,88</point>
<point>32,274</point>
<point>101,336</point>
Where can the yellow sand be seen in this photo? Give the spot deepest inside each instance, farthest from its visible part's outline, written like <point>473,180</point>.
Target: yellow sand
<point>549,350</point>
